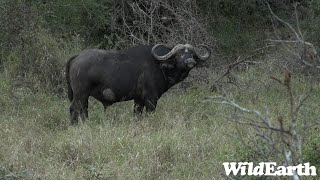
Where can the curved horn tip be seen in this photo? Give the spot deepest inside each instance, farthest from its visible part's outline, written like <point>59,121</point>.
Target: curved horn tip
<point>154,53</point>
<point>208,53</point>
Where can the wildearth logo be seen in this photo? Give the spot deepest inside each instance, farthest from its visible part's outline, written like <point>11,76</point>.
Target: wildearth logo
<point>268,169</point>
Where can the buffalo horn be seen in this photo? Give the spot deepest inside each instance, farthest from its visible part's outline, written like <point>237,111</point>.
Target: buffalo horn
<point>205,56</point>
<point>166,56</point>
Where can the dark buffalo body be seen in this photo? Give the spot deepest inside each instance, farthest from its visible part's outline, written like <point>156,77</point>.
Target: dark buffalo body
<point>141,73</point>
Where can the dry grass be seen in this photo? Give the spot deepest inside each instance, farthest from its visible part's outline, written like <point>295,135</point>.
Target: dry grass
<point>185,139</point>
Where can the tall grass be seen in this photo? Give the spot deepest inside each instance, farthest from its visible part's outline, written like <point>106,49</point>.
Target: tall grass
<point>185,138</point>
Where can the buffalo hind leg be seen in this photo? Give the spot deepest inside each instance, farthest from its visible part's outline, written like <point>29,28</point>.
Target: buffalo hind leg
<point>150,104</point>
<point>79,108</point>
<point>105,105</point>
<point>138,107</point>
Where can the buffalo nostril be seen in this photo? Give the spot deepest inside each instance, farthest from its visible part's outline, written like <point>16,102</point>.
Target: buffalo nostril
<point>190,65</point>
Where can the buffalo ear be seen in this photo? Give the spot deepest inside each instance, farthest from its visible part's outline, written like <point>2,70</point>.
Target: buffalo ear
<point>166,65</point>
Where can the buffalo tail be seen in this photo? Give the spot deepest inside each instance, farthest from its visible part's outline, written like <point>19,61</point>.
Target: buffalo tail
<point>70,92</point>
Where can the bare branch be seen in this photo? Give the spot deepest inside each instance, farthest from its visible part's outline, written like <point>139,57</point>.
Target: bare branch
<point>286,23</point>
<point>297,19</point>
<point>308,47</point>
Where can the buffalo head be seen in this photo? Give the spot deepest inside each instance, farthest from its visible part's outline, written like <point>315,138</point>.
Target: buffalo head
<point>182,56</point>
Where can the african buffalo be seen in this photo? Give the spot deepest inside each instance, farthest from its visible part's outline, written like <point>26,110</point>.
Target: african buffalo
<point>142,73</point>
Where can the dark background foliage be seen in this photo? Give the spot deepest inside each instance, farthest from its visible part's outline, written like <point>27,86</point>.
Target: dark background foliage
<point>38,36</point>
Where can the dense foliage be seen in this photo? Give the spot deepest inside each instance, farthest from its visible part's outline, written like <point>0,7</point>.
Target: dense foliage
<point>38,36</point>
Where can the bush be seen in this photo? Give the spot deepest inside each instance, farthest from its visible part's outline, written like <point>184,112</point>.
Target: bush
<point>90,19</point>
<point>38,64</point>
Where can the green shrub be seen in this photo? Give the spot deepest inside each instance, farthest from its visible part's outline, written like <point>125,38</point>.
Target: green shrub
<point>90,19</point>
<point>38,64</point>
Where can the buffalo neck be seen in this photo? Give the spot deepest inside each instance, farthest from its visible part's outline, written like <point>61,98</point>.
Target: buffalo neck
<point>173,76</point>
